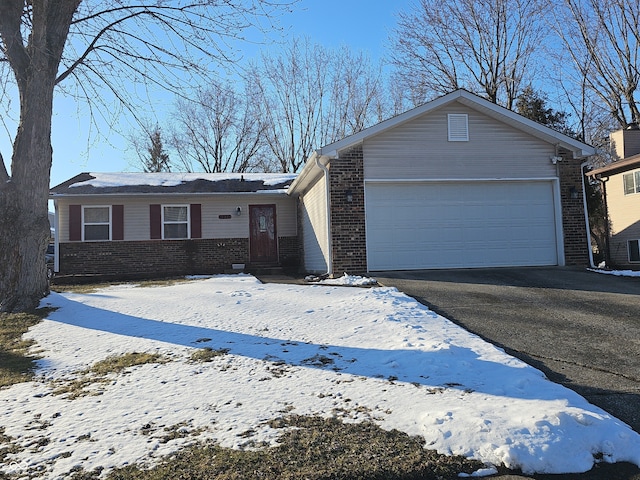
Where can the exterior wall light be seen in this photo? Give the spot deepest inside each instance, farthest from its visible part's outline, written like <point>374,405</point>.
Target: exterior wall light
<point>573,193</point>
<point>238,211</point>
<point>348,195</point>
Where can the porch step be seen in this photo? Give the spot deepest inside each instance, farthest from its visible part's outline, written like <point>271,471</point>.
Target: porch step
<point>260,270</point>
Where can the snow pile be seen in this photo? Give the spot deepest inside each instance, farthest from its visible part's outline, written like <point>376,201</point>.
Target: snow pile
<point>371,353</point>
<point>350,281</point>
<point>617,273</point>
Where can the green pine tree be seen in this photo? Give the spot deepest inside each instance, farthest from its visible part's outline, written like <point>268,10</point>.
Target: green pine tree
<point>158,159</point>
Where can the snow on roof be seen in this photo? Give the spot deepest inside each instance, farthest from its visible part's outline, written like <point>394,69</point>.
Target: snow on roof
<point>171,179</point>
<point>138,183</point>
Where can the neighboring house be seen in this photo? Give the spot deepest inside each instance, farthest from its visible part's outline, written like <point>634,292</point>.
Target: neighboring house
<point>620,182</point>
<point>141,224</point>
<point>458,182</point>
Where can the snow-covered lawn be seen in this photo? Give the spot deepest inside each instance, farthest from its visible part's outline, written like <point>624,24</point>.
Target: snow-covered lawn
<point>360,353</point>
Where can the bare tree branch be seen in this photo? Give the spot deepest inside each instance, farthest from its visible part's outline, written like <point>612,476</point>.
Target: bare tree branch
<point>484,46</point>
<point>312,96</point>
<point>606,35</point>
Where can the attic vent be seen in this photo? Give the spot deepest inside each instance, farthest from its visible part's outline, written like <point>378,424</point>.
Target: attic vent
<point>458,127</point>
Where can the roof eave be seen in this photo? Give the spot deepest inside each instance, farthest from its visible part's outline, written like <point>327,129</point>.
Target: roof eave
<point>310,171</point>
<point>53,196</point>
<point>615,168</point>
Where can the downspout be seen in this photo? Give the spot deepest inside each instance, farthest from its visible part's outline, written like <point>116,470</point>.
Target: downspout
<point>328,204</point>
<point>56,238</point>
<point>586,215</point>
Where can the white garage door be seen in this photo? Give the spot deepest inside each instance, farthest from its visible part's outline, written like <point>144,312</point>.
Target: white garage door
<point>460,225</point>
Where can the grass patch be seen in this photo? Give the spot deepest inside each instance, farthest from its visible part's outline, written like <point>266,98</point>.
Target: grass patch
<point>89,381</point>
<point>81,287</point>
<point>16,365</point>
<point>318,361</point>
<point>118,363</point>
<point>7,447</point>
<point>311,448</point>
<point>207,354</point>
<point>95,286</point>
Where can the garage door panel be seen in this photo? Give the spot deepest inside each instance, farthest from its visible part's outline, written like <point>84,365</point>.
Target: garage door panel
<point>459,225</point>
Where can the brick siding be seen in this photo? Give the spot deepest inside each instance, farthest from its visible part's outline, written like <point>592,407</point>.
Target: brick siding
<point>290,253</point>
<point>574,228</point>
<point>347,218</point>
<point>159,258</point>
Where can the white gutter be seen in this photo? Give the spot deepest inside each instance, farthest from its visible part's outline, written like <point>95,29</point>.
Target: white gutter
<point>586,215</point>
<point>325,170</point>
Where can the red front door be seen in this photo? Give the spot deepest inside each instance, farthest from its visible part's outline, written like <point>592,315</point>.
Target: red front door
<point>263,238</point>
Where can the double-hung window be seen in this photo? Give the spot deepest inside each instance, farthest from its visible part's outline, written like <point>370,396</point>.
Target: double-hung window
<point>96,223</point>
<point>631,182</point>
<point>175,221</point>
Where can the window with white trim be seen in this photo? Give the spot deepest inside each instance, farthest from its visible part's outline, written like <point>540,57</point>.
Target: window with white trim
<point>175,221</point>
<point>96,223</point>
<point>634,250</point>
<point>631,182</point>
<point>458,124</point>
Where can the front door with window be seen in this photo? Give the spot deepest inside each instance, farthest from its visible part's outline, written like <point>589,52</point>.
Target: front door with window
<point>263,239</point>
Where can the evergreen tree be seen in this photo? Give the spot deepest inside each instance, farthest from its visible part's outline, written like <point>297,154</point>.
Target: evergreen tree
<point>157,159</point>
<point>533,105</point>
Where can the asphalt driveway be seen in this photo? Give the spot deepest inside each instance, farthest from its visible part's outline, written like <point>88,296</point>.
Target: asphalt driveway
<point>581,328</point>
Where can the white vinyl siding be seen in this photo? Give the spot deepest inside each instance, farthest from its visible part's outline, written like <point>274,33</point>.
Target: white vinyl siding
<point>137,218</point>
<point>96,223</point>
<point>315,228</point>
<point>419,149</point>
<point>424,225</point>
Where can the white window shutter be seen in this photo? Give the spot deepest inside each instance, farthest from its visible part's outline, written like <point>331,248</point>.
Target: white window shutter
<point>458,127</point>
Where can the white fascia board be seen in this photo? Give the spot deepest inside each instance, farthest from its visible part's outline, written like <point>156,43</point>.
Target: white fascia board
<point>310,171</point>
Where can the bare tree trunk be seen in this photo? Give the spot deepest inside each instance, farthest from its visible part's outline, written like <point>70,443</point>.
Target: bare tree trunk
<point>24,223</point>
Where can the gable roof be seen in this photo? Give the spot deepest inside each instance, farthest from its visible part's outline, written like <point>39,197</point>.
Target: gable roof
<point>579,149</point>
<point>172,183</point>
<point>613,168</point>
<point>570,145</point>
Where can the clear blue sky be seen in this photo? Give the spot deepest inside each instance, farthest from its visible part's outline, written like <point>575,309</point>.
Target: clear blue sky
<point>360,24</point>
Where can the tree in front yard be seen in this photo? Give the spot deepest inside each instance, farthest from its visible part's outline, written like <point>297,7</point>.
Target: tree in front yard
<point>92,48</point>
